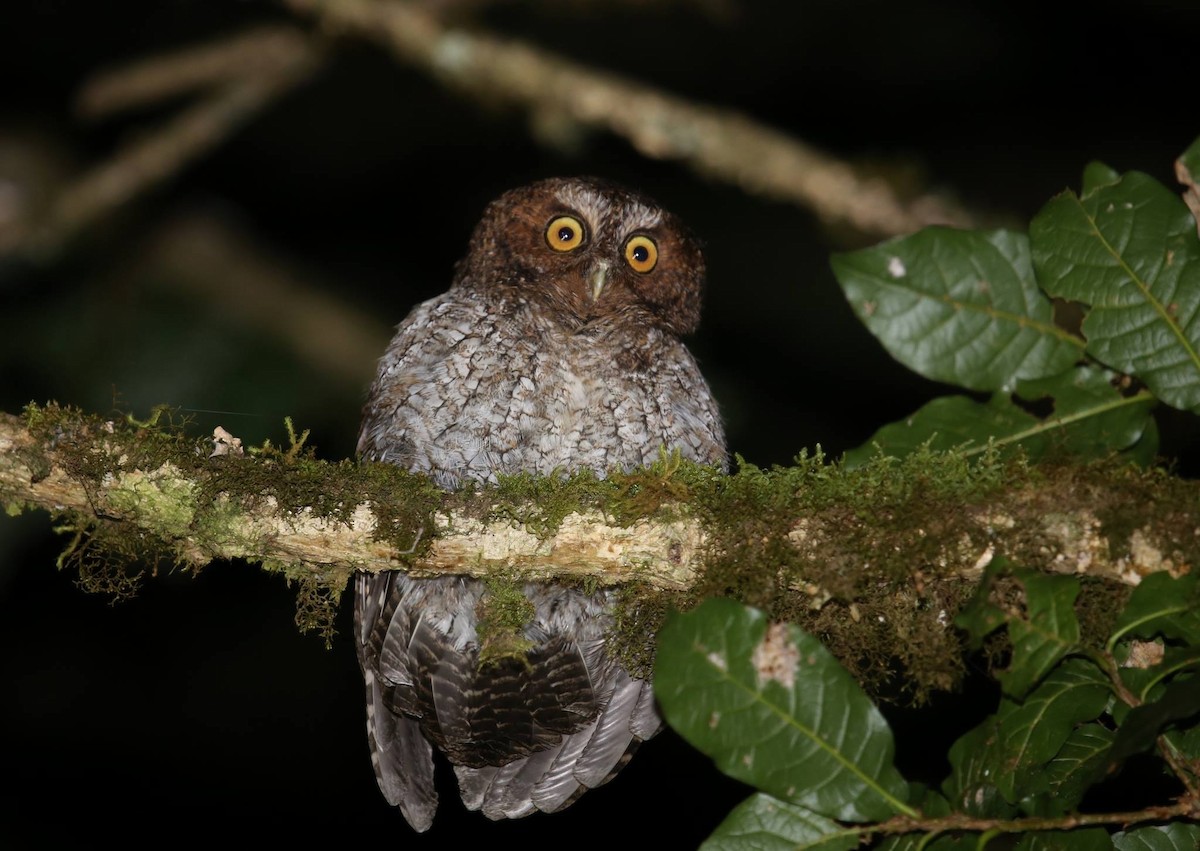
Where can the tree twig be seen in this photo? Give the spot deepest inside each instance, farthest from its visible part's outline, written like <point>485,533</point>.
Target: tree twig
<point>247,55</point>
<point>718,143</point>
<point>158,155</point>
<point>1186,808</point>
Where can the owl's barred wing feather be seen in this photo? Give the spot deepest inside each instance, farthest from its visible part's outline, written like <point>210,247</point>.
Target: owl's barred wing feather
<point>552,779</point>
<point>492,713</point>
<point>523,735</point>
<point>613,734</point>
<point>510,794</point>
<point>401,755</point>
<point>555,350</point>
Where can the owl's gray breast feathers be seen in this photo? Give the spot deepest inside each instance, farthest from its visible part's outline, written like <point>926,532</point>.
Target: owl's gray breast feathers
<point>469,389</point>
<point>506,373</point>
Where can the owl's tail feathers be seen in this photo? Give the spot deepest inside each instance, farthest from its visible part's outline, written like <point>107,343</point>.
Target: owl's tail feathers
<point>554,778</point>
<point>403,759</point>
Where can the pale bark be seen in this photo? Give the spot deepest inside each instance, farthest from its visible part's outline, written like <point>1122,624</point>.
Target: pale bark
<point>1041,524</point>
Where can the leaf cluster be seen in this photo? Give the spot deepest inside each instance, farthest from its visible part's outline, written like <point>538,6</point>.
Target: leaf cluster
<point>1067,337</point>
<point>773,708</point>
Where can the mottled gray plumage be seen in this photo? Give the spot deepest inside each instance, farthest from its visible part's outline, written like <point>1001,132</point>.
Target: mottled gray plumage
<point>556,349</point>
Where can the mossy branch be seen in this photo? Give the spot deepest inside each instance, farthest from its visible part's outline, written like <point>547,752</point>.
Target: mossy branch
<point>890,549</point>
<point>285,507</point>
<point>1106,521</point>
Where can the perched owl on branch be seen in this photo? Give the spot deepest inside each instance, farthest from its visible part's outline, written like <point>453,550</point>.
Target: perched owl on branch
<point>555,349</point>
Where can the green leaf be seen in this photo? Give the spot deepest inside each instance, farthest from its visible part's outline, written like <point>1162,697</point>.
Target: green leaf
<point>1145,451</point>
<point>1046,633</point>
<point>1042,633</point>
<point>1081,762</point>
<point>1097,174</point>
<point>1090,417</point>
<point>1031,733</point>
<point>1002,760</point>
<point>1130,250</point>
<point>1162,604</point>
<point>1191,157</point>
<point>980,617</point>
<point>903,842</point>
<point>948,422</point>
<point>922,842</point>
<point>976,761</point>
<point>1141,676</point>
<point>764,823</point>
<point>958,306</point>
<point>1165,837</point>
<point>952,842</point>
<point>1139,731</point>
<point>1088,839</point>
<point>1185,742</point>
<point>773,708</point>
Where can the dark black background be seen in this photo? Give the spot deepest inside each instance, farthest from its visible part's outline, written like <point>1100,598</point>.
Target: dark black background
<point>197,712</point>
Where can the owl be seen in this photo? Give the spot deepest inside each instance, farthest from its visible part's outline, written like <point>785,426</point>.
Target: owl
<point>557,348</point>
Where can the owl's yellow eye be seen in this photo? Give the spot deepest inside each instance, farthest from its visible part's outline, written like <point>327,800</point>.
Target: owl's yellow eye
<point>641,253</point>
<point>565,233</point>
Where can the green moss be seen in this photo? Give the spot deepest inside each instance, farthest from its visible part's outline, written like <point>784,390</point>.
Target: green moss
<point>502,614</point>
<point>104,559</point>
<point>317,599</point>
<point>884,591</point>
<point>154,466</point>
<point>539,503</point>
<point>660,489</point>
<point>403,503</point>
<point>882,602</point>
<point>1149,500</point>
<point>858,557</point>
<point>1098,606</point>
<point>38,464</point>
<point>639,614</point>
<point>874,524</point>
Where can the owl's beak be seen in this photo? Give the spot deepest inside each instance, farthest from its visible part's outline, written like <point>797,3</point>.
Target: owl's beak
<point>597,279</point>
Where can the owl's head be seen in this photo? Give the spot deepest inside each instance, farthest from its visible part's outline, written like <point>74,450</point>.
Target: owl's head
<point>588,250</point>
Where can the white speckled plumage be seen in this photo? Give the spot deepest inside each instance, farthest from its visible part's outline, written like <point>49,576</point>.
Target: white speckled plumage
<point>546,361</point>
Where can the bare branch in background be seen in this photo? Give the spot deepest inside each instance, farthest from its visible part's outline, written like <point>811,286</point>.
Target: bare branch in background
<point>247,71</point>
<point>718,143</point>
<point>162,152</point>
<point>266,51</point>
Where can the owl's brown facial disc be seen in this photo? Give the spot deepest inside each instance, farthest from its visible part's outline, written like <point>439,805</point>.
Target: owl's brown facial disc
<point>590,251</point>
